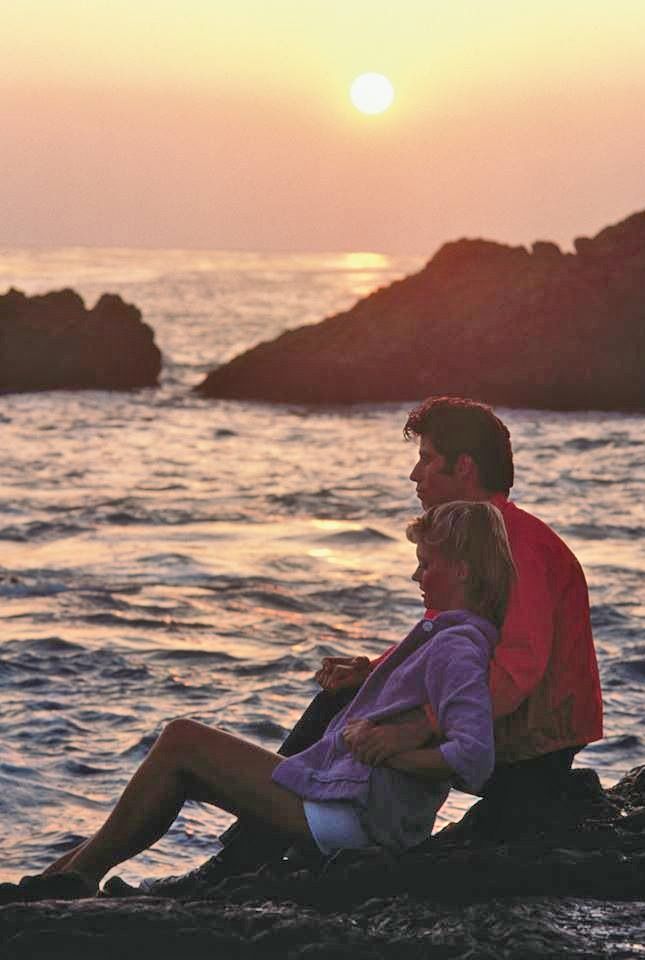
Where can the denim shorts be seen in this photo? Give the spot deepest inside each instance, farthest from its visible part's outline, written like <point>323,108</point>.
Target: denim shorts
<point>335,825</point>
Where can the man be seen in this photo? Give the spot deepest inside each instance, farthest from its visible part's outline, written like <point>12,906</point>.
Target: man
<point>544,676</point>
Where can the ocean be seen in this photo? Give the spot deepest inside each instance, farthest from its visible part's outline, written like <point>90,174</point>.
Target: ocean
<point>163,555</point>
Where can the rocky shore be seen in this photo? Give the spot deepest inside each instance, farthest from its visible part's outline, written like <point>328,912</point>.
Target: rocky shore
<point>563,881</point>
<point>53,342</point>
<point>538,328</point>
<point>397,928</point>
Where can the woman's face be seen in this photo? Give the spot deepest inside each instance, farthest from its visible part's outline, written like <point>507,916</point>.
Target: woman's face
<point>442,582</point>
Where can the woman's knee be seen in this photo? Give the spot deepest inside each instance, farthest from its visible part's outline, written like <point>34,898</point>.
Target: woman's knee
<point>179,734</point>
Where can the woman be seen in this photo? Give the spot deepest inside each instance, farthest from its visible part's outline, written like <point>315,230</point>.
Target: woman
<point>340,792</point>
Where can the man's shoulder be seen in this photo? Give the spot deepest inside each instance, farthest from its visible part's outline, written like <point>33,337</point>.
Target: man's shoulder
<point>527,531</point>
<point>517,519</point>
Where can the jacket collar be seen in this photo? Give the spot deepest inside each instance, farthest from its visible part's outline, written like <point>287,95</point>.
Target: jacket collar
<point>455,618</point>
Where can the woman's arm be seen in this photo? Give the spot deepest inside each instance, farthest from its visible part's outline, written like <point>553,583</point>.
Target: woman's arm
<point>398,745</point>
<point>426,764</point>
<point>463,705</point>
<point>464,712</point>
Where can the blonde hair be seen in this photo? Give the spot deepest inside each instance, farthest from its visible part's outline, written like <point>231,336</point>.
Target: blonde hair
<point>474,532</point>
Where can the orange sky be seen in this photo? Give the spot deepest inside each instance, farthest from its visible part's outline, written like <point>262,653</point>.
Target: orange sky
<point>207,124</point>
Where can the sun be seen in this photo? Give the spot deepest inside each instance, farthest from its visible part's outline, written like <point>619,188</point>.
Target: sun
<point>371,93</point>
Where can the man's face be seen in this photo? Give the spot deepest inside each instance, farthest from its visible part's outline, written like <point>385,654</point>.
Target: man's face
<point>435,484</point>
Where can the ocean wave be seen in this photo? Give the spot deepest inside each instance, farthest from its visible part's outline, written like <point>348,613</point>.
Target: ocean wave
<point>168,559</point>
<point>32,683</point>
<point>165,623</point>
<point>181,655</point>
<point>161,487</point>
<point>625,741</point>
<point>50,732</point>
<point>167,515</point>
<point>283,665</point>
<point>121,518</point>
<point>262,729</point>
<point>364,600</point>
<point>11,586</point>
<point>37,530</point>
<point>579,479</point>
<point>285,593</point>
<point>123,512</point>
<point>124,671</point>
<point>278,599</point>
<point>597,443</point>
<point>226,583</point>
<point>78,769</point>
<point>8,670</point>
<point>62,843</point>
<point>607,615</point>
<point>57,665</point>
<point>634,669</point>
<point>49,705</point>
<point>587,443</point>
<point>141,747</point>
<point>322,504</point>
<point>605,531</point>
<point>189,689</point>
<point>43,645</point>
<point>103,718</point>
<point>22,771</point>
<point>366,535</point>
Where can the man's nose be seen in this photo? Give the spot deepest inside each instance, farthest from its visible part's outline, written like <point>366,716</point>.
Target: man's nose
<point>413,475</point>
<point>416,576</point>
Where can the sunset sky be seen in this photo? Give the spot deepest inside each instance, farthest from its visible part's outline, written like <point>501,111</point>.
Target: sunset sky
<point>228,125</point>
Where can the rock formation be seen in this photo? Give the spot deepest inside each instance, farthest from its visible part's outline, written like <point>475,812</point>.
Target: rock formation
<point>567,881</point>
<point>51,342</point>
<point>497,323</point>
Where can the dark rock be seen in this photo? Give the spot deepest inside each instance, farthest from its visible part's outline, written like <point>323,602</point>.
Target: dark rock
<point>398,928</point>
<point>484,320</point>
<point>572,885</point>
<point>52,342</point>
<point>546,250</point>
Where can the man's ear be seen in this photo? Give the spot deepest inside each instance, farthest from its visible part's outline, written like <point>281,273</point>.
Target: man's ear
<point>462,570</point>
<point>466,468</point>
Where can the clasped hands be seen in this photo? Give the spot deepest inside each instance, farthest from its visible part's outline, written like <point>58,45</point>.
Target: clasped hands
<point>337,673</point>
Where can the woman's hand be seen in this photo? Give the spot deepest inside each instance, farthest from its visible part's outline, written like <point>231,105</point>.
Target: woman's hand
<point>337,673</point>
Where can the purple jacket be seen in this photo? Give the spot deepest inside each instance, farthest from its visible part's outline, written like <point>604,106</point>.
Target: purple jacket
<point>443,662</point>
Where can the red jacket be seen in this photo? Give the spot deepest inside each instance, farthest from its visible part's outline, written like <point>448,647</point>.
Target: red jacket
<point>544,676</point>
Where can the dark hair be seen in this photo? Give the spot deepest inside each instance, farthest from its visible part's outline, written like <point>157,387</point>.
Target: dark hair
<point>456,426</point>
<point>472,531</point>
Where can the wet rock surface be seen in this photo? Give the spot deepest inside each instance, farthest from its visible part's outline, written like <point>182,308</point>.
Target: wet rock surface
<point>568,882</point>
<point>502,324</point>
<point>400,928</point>
<point>53,342</point>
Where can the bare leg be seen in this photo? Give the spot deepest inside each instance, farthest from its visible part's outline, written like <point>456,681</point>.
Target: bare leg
<point>189,761</point>
<point>58,865</point>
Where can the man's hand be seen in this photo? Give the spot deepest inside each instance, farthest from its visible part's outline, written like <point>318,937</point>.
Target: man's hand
<point>337,673</point>
<point>369,742</point>
<point>375,743</point>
